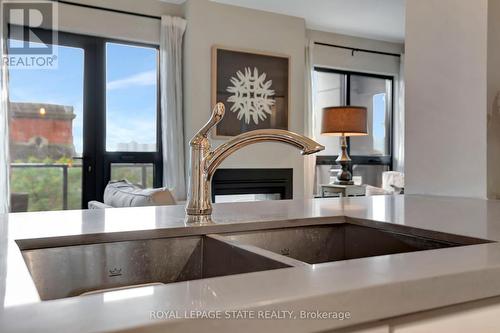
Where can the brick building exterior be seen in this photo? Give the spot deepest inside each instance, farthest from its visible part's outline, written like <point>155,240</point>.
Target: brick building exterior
<point>41,131</point>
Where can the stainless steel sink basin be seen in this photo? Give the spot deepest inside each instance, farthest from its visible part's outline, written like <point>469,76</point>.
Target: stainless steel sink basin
<point>73,270</point>
<point>319,244</point>
<point>60,272</point>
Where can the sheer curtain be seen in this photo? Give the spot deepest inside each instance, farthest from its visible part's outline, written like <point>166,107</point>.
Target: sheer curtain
<point>309,160</point>
<point>4,127</point>
<point>172,31</point>
<point>399,121</point>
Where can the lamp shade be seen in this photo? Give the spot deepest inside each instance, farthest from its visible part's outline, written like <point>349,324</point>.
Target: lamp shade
<point>344,120</point>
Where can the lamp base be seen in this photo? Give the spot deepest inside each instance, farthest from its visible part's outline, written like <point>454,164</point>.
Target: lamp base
<point>344,176</point>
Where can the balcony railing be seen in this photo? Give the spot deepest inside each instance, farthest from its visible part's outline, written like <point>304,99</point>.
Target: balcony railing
<point>44,187</point>
<point>64,174</point>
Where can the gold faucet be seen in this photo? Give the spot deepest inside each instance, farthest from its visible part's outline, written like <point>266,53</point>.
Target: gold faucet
<point>205,161</point>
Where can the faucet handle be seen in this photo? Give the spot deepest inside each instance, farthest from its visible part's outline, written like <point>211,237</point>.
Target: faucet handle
<point>217,115</point>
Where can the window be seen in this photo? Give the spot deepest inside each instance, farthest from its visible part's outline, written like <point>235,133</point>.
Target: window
<point>46,133</point>
<point>92,119</point>
<point>136,173</point>
<point>131,98</point>
<point>132,140</point>
<point>371,154</point>
<point>372,93</point>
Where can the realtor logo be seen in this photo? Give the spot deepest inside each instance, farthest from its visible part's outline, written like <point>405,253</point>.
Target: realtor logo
<point>32,32</point>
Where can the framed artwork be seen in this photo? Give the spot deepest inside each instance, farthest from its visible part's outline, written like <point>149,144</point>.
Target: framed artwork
<point>254,87</point>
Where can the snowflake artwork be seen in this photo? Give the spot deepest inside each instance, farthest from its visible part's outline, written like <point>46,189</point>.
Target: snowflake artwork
<point>251,95</point>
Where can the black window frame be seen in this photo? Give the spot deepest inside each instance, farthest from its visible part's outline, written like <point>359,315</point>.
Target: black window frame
<point>96,161</point>
<point>117,157</point>
<point>383,160</point>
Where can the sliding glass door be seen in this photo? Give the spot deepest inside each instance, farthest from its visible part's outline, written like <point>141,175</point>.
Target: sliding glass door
<point>92,118</point>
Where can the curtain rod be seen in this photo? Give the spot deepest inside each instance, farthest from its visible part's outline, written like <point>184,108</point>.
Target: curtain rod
<point>107,9</point>
<point>358,50</point>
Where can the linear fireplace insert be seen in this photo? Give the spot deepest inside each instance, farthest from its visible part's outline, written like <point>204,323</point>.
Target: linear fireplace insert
<point>229,185</point>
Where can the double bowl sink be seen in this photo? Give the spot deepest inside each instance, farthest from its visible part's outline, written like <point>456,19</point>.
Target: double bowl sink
<point>61,272</point>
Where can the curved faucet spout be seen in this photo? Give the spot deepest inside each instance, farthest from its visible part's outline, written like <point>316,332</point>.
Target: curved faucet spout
<point>204,161</point>
<point>306,145</point>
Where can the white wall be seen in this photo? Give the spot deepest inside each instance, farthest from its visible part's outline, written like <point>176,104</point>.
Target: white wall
<point>109,24</point>
<point>494,99</point>
<point>148,7</point>
<point>446,76</point>
<point>211,24</point>
<point>325,56</point>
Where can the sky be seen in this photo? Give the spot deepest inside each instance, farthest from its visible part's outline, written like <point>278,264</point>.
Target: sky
<point>379,122</point>
<point>131,93</point>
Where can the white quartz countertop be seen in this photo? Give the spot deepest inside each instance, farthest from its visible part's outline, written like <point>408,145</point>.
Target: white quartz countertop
<point>369,289</point>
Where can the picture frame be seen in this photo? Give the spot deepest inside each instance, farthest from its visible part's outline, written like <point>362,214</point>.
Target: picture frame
<point>254,87</point>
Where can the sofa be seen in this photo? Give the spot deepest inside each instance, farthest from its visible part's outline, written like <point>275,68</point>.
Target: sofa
<point>122,193</point>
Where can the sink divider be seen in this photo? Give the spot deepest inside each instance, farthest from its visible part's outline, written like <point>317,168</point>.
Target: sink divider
<point>259,251</point>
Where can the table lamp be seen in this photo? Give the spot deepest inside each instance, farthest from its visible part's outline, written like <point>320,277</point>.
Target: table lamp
<point>344,121</point>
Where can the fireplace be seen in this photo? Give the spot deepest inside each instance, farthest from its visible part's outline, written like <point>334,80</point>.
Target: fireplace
<point>232,185</point>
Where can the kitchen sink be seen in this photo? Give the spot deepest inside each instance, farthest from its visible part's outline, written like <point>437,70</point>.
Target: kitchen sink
<point>61,272</point>
<point>319,244</point>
